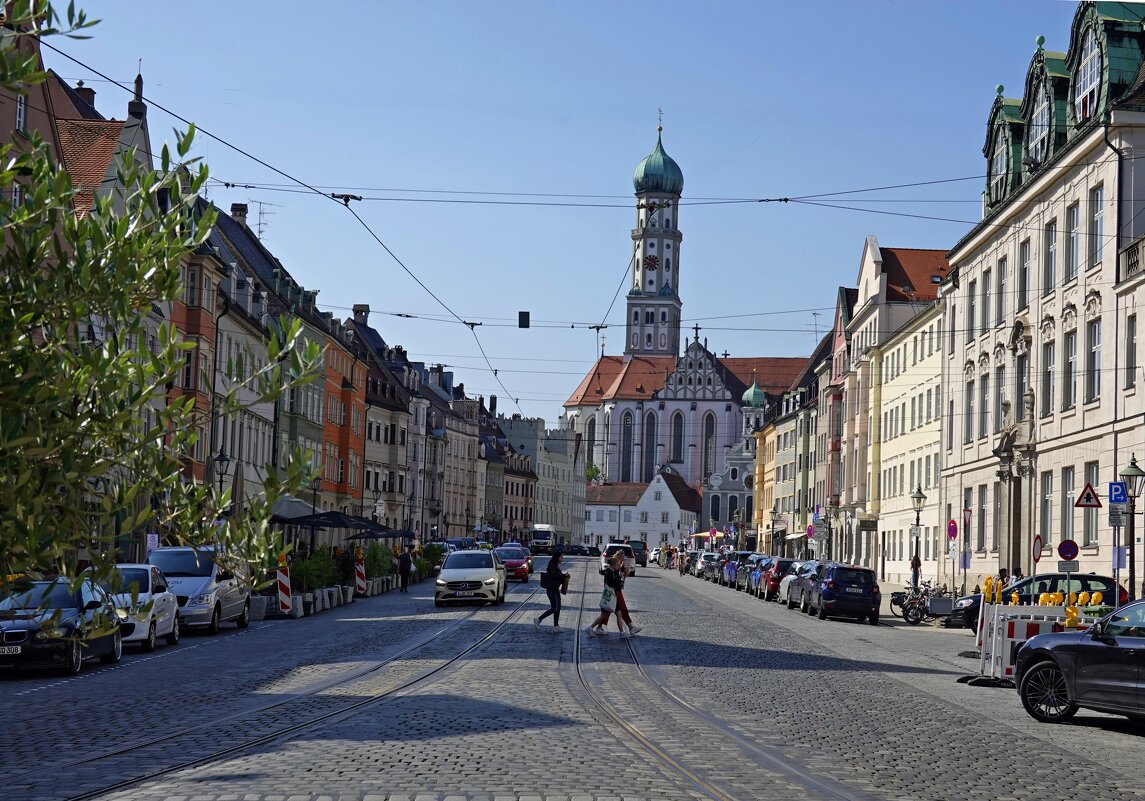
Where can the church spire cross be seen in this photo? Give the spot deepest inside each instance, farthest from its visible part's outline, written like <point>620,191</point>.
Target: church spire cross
<point>696,328</point>
<point>659,120</point>
<point>725,354</point>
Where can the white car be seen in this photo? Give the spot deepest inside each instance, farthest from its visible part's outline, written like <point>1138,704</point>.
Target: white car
<point>610,551</point>
<point>141,593</point>
<point>705,558</point>
<point>476,575</point>
<point>654,556</point>
<point>210,587</point>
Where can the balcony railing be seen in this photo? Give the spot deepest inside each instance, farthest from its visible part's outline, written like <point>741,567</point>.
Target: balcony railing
<point>1130,259</point>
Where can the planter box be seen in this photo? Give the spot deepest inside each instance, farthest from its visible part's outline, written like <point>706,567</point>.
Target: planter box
<point>347,594</point>
<point>333,597</point>
<point>258,607</point>
<point>297,609</point>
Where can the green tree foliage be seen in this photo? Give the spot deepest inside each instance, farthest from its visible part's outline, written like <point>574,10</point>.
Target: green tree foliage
<point>93,444</point>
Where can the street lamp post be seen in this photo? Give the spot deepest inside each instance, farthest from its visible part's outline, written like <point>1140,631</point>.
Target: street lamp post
<point>377,494</point>
<point>315,485</point>
<point>222,461</point>
<point>917,500</point>
<point>776,519</point>
<point>1134,478</point>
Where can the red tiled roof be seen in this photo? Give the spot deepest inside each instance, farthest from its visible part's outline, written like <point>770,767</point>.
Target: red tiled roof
<point>687,497</point>
<point>87,147</point>
<point>909,273</point>
<point>613,378</point>
<point>774,374</point>
<point>627,494</point>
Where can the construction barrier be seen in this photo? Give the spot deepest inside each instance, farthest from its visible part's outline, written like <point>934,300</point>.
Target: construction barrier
<point>284,602</point>
<point>1004,628</point>
<point>360,576</point>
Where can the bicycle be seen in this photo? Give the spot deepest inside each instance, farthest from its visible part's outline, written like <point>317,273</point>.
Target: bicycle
<point>916,607</point>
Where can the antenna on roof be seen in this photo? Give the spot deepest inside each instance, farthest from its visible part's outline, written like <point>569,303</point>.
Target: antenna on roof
<point>815,316</point>
<point>261,227</point>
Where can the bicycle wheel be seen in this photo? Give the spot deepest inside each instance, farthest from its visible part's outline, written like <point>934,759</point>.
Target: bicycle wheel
<point>913,612</point>
<point>897,599</point>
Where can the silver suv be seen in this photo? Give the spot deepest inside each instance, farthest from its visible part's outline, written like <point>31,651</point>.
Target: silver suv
<point>210,587</point>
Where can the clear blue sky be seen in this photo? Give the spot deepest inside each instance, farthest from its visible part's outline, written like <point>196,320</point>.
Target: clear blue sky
<point>760,100</point>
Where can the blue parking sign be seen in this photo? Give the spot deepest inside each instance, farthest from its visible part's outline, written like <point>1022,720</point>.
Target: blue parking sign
<point>1118,492</point>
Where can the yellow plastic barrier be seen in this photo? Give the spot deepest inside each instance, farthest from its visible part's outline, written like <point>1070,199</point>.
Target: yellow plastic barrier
<point>1083,598</point>
<point>1096,598</point>
<point>1071,617</point>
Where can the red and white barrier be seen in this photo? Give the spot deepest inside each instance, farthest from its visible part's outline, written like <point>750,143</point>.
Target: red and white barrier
<point>360,576</point>
<point>1004,628</point>
<point>284,602</point>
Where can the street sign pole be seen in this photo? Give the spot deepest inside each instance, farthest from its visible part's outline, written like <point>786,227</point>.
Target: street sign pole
<point>1117,556</point>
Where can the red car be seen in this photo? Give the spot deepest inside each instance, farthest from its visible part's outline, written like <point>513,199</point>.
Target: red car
<point>516,562</point>
<point>770,585</point>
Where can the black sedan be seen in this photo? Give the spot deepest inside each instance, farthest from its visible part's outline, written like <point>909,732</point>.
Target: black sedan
<point>1099,669</point>
<point>52,624</point>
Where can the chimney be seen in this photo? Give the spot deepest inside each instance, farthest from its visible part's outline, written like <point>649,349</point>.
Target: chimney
<point>492,405</point>
<point>238,213</point>
<point>86,93</point>
<point>137,108</point>
<point>361,313</point>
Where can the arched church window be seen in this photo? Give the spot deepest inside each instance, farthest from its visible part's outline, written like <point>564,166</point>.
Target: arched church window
<point>667,264</point>
<point>677,445</point>
<point>667,222</point>
<point>635,340</point>
<point>733,505</point>
<point>735,474</point>
<point>592,440</point>
<point>663,340</point>
<point>626,447</point>
<point>651,434</point>
<point>715,507</point>
<point>709,444</point>
<point>663,316</point>
<point>709,381</point>
<point>648,341</point>
<point>635,316</point>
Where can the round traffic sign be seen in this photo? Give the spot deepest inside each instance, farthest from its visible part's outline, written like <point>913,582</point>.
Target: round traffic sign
<point>952,530</point>
<point>1038,545</point>
<point>810,532</point>
<point>1067,550</point>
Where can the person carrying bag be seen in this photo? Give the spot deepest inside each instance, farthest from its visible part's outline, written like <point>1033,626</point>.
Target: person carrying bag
<point>554,582</point>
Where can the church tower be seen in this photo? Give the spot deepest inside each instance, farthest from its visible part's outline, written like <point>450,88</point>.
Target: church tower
<point>653,301</point>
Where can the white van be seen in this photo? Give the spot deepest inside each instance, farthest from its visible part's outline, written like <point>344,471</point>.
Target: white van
<point>209,588</point>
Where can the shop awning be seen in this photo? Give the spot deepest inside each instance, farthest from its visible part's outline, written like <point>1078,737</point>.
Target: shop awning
<point>796,535</point>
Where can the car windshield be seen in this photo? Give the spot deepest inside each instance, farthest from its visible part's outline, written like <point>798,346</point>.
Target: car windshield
<point>183,563</point>
<point>126,578</point>
<point>638,546</point>
<point>510,553</point>
<point>782,565</point>
<point>467,561</point>
<point>709,557</point>
<point>862,578</point>
<point>42,595</point>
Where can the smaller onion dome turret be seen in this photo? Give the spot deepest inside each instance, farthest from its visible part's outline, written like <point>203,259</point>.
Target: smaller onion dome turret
<point>658,172</point>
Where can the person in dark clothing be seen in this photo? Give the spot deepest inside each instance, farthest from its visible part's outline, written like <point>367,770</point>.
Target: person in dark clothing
<point>554,579</point>
<point>405,567</point>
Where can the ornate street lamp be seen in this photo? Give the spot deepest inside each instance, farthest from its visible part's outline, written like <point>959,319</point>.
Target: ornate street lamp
<point>222,461</point>
<point>917,500</point>
<point>1134,478</point>
<point>377,493</point>
<point>776,521</point>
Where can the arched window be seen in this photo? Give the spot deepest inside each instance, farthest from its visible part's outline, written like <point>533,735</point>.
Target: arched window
<point>1038,141</point>
<point>663,316</point>
<point>749,517</point>
<point>716,508</point>
<point>650,436</point>
<point>677,452</point>
<point>733,504</point>
<point>626,448</point>
<point>735,474</point>
<point>1087,79</point>
<point>999,165</point>
<point>709,441</point>
<point>592,441</point>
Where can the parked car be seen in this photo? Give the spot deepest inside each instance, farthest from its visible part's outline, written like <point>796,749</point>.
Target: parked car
<point>713,568</point>
<point>733,562</point>
<point>639,552</point>
<point>701,562</point>
<point>51,624</point>
<point>593,550</point>
<point>1056,674</point>
<point>576,550</point>
<point>654,554</point>
<point>753,573</point>
<point>476,575</point>
<point>844,590</point>
<point>769,583</point>
<point>629,556</point>
<point>141,595</point>
<point>965,611</point>
<point>795,582</point>
<point>516,564</point>
<point>210,587</point>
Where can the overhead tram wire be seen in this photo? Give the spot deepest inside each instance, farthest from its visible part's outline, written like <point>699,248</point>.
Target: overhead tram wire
<point>343,199</point>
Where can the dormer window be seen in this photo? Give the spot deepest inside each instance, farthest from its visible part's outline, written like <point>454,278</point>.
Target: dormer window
<point>999,165</point>
<point>1087,79</point>
<point>1038,144</point>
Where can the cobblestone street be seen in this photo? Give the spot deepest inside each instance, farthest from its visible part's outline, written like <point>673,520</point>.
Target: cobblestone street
<point>727,697</point>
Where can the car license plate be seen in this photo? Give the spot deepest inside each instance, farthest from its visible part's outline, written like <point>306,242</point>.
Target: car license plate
<point>854,589</point>
<point>464,593</point>
<point>10,650</point>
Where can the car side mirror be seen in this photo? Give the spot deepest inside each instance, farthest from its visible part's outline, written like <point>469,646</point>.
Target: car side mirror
<point>92,604</point>
<point>160,588</point>
<point>224,575</point>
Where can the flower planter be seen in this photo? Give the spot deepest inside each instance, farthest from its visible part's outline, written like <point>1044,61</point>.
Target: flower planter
<point>258,607</point>
<point>347,594</point>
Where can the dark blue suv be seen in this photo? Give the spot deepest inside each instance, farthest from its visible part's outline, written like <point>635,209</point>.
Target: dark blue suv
<point>845,591</point>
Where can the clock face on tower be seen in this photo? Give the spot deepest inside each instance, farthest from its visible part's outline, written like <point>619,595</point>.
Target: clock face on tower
<point>651,262</point>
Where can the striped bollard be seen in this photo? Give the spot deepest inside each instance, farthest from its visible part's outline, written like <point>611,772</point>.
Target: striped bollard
<point>284,602</point>
<point>360,576</point>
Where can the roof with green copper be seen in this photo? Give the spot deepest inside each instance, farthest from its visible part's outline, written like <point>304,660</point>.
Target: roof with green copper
<point>658,173</point>
<point>754,398</point>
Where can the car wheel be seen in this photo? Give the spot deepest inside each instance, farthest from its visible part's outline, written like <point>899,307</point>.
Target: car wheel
<point>804,604</point>
<point>243,620</point>
<point>213,626</point>
<point>821,610</point>
<point>74,663</point>
<point>790,603</point>
<point>438,603</point>
<point>173,637</point>
<point>874,618</point>
<point>116,652</point>
<point>1044,694</point>
<point>149,643</point>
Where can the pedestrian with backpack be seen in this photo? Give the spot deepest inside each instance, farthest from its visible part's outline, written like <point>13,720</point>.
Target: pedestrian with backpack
<point>553,581</point>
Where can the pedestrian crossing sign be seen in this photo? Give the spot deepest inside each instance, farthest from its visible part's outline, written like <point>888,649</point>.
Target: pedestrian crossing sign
<point>1087,499</point>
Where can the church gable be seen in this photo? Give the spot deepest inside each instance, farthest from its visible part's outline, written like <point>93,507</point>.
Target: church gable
<point>697,376</point>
